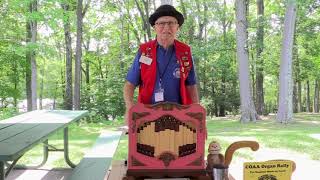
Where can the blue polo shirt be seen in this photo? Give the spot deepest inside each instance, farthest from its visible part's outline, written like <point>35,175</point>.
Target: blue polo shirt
<point>168,69</point>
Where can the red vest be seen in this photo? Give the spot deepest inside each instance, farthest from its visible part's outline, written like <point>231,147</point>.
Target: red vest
<point>148,72</point>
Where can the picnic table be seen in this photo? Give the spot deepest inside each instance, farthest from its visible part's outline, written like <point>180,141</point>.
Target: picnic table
<point>21,133</point>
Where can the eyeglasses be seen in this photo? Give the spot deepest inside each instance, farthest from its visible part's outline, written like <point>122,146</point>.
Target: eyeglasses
<point>170,24</point>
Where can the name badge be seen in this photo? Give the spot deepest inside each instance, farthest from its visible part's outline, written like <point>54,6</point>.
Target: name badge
<point>158,96</point>
<point>145,60</point>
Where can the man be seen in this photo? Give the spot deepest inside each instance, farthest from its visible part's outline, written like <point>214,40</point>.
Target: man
<point>163,68</point>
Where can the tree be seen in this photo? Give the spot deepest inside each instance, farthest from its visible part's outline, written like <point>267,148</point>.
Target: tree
<point>308,101</point>
<point>316,97</point>
<point>259,72</point>
<point>112,32</point>
<point>222,105</point>
<point>31,67</point>
<point>285,111</point>
<point>144,14</point>
<point>67,36</point>
<point>77,70</point>
<point>248,112</point>
<point>296,78</point>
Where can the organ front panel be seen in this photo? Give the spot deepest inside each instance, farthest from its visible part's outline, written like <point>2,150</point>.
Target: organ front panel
<point>166,138</point>
<point>166,134</point>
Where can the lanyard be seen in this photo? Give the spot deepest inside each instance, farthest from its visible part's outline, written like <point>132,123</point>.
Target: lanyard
<point>165,69</point>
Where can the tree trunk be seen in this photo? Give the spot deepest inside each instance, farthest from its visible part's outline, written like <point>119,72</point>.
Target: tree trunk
<point>204,79</point>
<point>41,87</point>
<point>222,111</point>
<point>62,73</point>
<point>54,103</point>
<point>31,67</point>
<point>248,112</point>
<point>146,25</point>
<point>253,78</point>
<point>68,88</point>
<point>300,107</point>
<point>87,71</point>
<point>316,97</point>
<point>55,95</point>
<point>63,83</point>
<point>260,63</point>
<point>215,109</point>
<point>285,113</point>
<point>16,82</point>
<point>308,102</point>
<point>191,29</point>
<point>202,21</point>
<point>295,97</point>
<point>123,44</point>
<point>135,31</point>
<point>88,75</point>
<point>99,63</point>
<point>77,65</point>
<point>296,74</point>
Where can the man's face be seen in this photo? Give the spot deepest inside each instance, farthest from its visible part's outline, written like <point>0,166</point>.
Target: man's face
<point>166,28</point>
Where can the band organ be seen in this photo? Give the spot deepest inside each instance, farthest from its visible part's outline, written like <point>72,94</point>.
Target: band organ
<point>166,140</point>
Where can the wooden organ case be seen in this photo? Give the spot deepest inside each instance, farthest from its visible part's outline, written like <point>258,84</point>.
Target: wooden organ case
<point>166,140</point>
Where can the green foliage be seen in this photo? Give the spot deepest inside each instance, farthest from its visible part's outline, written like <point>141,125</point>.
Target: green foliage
<point>105,101</point>
<point>10,71</point>
<point>7,112</point>
<point>113,32</point>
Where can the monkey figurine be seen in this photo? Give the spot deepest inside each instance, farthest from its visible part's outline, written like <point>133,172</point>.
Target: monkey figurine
<point>214,158</point>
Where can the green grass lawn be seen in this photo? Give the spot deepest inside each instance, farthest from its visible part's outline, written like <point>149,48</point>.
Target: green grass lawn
<point>82,136</point>
<point>296,136</point>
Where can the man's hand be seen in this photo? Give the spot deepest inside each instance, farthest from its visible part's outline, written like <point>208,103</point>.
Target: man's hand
<point>126,115</point>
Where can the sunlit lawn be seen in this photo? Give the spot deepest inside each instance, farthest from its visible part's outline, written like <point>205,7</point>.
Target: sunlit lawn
<point>82,136</point>
<point>296,136</point>
<point>301,136</point>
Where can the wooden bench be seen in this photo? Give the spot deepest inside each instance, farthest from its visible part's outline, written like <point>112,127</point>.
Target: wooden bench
<point>96,163</point>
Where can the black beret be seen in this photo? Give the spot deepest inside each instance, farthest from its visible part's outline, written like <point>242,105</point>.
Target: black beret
<point>166,10</point>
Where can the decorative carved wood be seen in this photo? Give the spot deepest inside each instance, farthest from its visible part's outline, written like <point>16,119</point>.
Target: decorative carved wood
<point>166,139</point>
